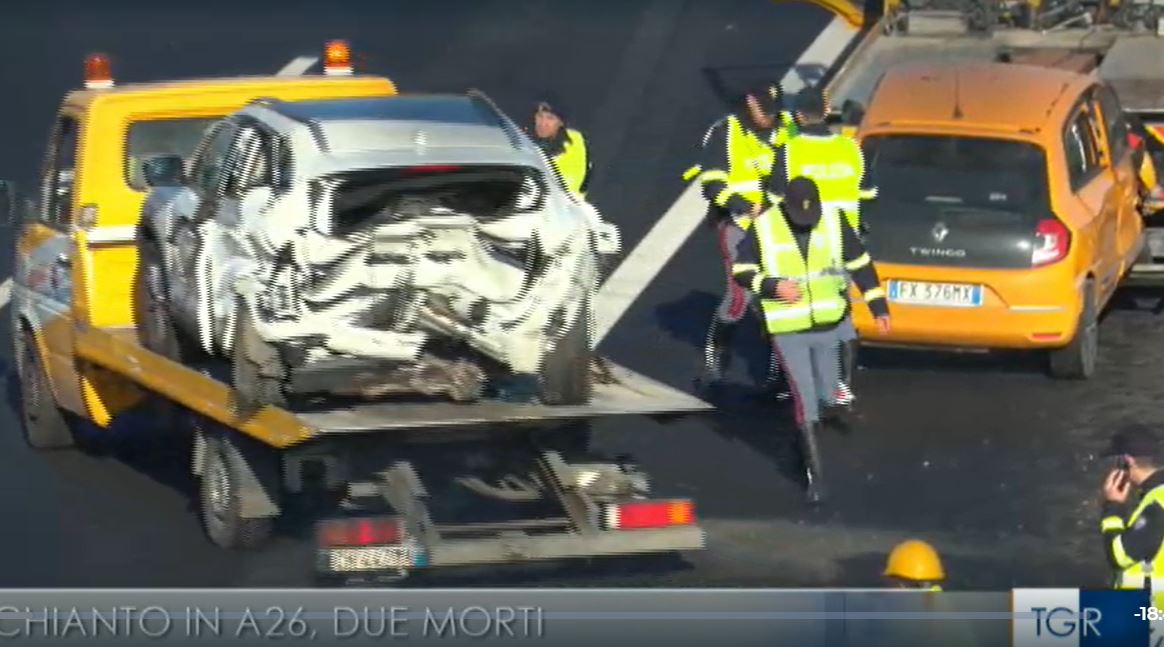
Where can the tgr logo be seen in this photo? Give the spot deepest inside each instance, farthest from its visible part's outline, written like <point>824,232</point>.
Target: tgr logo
<point>1062,622</point>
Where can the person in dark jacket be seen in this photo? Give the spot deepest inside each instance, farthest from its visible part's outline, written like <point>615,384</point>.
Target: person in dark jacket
<point>795,259</point>
<point>1133,532</point>
<point>735,159</point>
<point>565,146</point>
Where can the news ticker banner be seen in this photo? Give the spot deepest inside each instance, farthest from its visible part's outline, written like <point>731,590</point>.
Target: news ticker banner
<point>603,617</point>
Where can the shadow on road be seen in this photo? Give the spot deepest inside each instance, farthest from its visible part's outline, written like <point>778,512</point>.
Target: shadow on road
<point>687,319</point>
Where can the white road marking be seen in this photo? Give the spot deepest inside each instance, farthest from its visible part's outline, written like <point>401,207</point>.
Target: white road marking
<point>644,263</point>
<point>296,67</point>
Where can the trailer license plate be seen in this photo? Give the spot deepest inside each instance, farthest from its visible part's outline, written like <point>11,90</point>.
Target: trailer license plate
<point>377,558</point>
<point>958,295</point>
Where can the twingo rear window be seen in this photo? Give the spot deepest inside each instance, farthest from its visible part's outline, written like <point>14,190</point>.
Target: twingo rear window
<point>974,172</point>
<point>161,137</point>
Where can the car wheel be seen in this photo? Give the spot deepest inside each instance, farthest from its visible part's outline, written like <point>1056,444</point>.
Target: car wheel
<point>257,369</point>
<point>156,328</point>
<point>565,376</point>
<point>45,425</point>
<point>220,498</point>
<point>1077,360</point>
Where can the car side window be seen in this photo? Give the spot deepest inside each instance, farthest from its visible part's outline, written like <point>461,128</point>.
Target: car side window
<point>1114,121</point>
<point>1082,151</point>
<point>60,169</point>
<point>250,163</point>
<point>207,173</point>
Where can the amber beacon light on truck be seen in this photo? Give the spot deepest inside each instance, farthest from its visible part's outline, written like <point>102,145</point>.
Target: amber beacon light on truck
<point>98,72</point>
<point>337,58</point>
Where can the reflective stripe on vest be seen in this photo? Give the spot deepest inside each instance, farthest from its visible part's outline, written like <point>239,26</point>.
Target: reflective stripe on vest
<point>571,162</point>
<point>822,278</point>
<point>749,161</point>
<point>1140,574</point>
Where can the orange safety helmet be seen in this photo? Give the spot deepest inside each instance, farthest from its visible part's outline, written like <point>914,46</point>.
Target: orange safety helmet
<point>915,560</point>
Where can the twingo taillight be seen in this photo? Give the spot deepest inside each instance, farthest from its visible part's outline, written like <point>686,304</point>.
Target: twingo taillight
<point>1052,241</point>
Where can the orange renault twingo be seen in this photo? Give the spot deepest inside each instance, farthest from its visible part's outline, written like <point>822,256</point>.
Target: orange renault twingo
<point>1007,210</point>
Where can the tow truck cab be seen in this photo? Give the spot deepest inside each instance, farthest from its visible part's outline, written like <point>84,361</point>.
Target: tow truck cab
<point>76,253</point>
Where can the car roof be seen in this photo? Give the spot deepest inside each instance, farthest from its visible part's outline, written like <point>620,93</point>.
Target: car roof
<point>435,108</point>
<point>1004,97</point>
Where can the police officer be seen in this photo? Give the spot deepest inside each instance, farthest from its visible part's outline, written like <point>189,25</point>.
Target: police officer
<point>1133,534</point>
<point>565,146</point>
<point>914,564</point>
<point>736,158</point>
<point>836,163</point>
<point>795,259</point>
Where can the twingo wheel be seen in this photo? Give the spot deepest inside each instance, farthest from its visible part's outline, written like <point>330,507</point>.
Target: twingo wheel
<point>1077,360</point>
<point>220,494</point>
<point>45,425</point>
<point>257,369</point>
<point>565,377</point>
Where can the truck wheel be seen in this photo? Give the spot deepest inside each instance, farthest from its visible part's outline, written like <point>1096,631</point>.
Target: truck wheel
<point>156,328</point>
<point>45,424</point>
<point>257,369</point>
<point>565,376</point>
<point>220,498</point>
<point>1076,361</point>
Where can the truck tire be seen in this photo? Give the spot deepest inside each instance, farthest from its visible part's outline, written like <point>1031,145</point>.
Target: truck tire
<point>156,329</point>
<point>1076,361</point>
<point>257,368</point>
<point>45,425</point>
<point>565,377</point>
<point>220,498</point>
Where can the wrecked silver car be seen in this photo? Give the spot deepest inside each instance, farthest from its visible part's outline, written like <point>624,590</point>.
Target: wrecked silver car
<point>367,247</point>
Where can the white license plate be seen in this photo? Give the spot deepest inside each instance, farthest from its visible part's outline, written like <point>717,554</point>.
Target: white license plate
<point>957,295</point>
<point>377,558</point>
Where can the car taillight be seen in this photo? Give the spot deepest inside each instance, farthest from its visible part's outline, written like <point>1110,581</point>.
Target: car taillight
<point>649,514</point>
<point>369,531</point>
<point>1052,240</point>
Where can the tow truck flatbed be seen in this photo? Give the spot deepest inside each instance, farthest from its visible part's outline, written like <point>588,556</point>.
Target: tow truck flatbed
<point>204,390</point>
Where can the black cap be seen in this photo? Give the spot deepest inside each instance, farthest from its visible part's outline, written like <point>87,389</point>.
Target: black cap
<point>811,101</point>
<point>550,103</point>
<point>1134,440</point>
<point>802,202</point>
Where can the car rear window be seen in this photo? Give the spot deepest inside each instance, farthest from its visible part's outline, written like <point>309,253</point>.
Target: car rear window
<point>975,172</point>
<point>161,137</point>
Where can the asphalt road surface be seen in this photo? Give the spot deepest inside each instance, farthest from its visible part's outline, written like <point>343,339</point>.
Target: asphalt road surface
<point>986,457</point>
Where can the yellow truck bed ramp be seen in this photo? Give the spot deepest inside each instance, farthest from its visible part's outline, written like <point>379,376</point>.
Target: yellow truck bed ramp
<point>628,393</point>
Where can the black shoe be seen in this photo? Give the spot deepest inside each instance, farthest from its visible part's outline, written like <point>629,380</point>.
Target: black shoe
<point>814,474</point>
<point>716,353</point>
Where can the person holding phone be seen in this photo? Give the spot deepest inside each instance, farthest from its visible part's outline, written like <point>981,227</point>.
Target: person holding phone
<point>1133,534</point>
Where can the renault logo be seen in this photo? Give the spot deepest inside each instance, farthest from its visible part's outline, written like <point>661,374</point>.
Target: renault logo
<point>940,231</point>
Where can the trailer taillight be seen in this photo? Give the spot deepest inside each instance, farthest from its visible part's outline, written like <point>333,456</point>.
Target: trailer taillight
<point>98,72</point>
<point>348,532</point>
<point>337,58</point>
<point>649,514</point>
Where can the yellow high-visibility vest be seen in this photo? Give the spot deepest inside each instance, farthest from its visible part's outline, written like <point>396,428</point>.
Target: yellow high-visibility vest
<point>1139,575</point>
<point>572,161</point>
<point>750,162</point>
<point>835,163</point>
<point>821,276</point>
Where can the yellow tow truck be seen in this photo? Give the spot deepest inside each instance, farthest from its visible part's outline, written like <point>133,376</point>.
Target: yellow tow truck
<point>79,362</point>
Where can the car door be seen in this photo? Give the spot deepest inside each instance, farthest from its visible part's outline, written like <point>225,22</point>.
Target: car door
<point>44,264</point>
<point>1130,225</point>
<point>193,229</point>
<point>1095,192</point>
